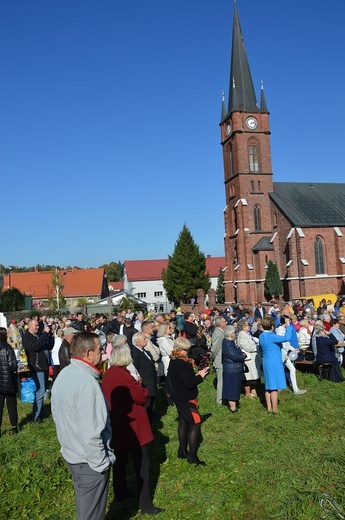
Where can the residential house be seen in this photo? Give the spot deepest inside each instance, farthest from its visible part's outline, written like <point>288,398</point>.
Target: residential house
<point>143,279</point>
<point>89,284</point>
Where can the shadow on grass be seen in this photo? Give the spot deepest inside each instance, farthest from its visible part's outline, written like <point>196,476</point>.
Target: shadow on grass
<point>157,453</point>
<point>46,412</point>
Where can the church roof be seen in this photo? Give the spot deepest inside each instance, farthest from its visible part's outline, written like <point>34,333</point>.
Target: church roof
<point>307,204</point>
<point>264,244</point>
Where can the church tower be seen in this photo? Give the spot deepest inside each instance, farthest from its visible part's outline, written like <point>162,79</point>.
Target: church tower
<point>245,139</point>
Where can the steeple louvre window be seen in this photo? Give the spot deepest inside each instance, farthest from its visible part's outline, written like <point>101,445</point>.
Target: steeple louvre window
<point>257,218</point>
<point>253,158</point>
<point>319,256</point>
<point>232,172</point>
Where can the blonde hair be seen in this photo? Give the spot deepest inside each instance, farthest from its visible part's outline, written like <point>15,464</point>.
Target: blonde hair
<point>181,343</point>
<point>304,323</point>
<point>120,356</point>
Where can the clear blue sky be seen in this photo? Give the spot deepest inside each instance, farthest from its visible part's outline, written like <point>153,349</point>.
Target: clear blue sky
<point>109,113</point>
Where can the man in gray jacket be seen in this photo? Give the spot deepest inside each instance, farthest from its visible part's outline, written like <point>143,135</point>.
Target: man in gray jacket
<point>216,354</point>
<point>83,428</point>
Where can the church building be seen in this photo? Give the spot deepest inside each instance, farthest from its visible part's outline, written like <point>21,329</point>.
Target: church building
<point>299,226</point>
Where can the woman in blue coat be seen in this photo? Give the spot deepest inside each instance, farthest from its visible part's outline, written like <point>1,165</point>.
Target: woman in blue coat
<point>233,368</point>
<point>272,363</point>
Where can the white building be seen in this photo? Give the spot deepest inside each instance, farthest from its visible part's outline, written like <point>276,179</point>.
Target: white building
<point>143,279</point>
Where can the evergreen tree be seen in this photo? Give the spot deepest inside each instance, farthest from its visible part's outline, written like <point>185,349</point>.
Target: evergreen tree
<point>273,284</point>
<point>186,271</point>
<point>220,293</point>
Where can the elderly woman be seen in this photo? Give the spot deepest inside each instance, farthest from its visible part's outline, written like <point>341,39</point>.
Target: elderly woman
<point>165,344</point>
<point>326,353</point>
<point>253,361</point>
<point>304,335</point>
<point>131,427</point>
<point>271,345</point>
<point>184,392</point>
<point>233,368</point>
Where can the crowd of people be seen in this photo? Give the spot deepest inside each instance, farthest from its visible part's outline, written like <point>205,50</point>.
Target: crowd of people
<point>136,354</point>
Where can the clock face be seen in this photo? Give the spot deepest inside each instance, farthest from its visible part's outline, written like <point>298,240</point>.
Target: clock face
<point>251,123</point>
<point>228,129</point>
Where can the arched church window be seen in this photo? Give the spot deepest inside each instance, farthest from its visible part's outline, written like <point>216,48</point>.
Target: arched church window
<point>253,158</point>
<point>257,218</point>
<point>319,255</point>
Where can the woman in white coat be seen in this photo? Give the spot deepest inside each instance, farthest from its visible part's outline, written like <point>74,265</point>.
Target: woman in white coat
<point>248,344</point>
<point>165,344</point>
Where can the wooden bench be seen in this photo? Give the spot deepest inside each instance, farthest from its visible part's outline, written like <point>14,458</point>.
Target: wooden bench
<point>322,371</point>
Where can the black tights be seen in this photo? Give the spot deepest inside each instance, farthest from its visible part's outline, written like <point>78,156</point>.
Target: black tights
<point>189,434</point>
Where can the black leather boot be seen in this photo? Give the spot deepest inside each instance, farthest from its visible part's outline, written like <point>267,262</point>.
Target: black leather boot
<point>182,453</point>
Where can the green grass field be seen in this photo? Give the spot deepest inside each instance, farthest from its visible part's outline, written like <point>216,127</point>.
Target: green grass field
<point>259,466</point>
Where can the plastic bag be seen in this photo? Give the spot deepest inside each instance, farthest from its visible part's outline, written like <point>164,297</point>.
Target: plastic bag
<point>28,390</point>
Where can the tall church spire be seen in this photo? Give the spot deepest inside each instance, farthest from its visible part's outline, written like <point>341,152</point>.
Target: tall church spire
<point>245,99</point>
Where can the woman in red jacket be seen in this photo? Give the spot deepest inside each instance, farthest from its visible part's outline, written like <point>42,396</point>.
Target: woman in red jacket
<point>131,427</point>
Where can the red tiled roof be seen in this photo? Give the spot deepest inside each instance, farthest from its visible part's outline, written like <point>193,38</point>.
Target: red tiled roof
<point>213,264</point>
<point>115,286</point>
<point>76,282</point>
<point>152,269</point>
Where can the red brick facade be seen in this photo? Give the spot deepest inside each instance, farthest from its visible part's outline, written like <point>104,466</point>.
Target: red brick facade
<point>256,229</point>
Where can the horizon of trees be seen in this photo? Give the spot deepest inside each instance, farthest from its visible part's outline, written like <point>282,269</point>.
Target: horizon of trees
<point>114,270</point>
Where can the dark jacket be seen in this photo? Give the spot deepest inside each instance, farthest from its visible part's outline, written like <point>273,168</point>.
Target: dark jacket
<point>8,368</point>
<point>232,357</point>
<point>257,313</point>
<point>37,349</point>
<point>191,331</point>
<point>129,332</point>
<point>114,326</point>
<point>199,348</point>
<point>182,380</point>
<point>144,363</point>
<point>78,325</point>
<point>64,354</point>
<point>325,349</point>
<point>105,327</point>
